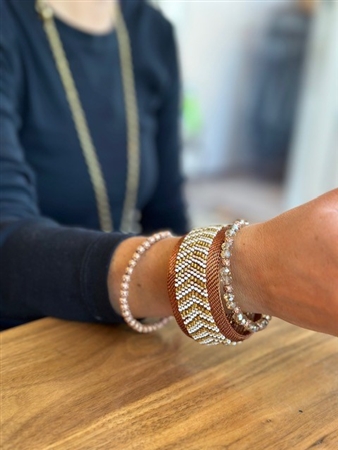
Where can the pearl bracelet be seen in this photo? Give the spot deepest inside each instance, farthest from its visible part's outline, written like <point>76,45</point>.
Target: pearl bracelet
<point>240,318</point>
<point>124,292</point>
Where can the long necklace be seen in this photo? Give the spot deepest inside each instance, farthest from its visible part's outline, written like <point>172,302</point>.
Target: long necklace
<point>81,125</point>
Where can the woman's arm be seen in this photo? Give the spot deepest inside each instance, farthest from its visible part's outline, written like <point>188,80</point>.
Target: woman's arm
<point>286,267</point>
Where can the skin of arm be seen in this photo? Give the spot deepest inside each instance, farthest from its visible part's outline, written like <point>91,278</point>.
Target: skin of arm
<point>286,267</point>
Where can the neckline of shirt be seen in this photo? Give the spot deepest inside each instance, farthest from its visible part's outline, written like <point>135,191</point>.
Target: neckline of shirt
<point>94,40</point>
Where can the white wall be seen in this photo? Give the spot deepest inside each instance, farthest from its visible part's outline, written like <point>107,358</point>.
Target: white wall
<point>313,165</point>
<point>216,38</point>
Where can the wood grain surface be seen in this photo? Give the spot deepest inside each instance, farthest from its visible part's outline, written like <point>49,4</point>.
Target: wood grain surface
<point>79,386</point>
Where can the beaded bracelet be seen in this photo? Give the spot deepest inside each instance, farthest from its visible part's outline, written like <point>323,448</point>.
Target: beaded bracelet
<point>124,292</point>
<point>190,292</point>
<point>245,320</point>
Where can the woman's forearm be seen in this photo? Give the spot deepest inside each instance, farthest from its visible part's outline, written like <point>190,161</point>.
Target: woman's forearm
<point>286,267</point>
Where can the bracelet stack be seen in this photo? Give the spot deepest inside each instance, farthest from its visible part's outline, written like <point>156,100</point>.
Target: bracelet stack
<point>200,288</point>
<point>201,292</point>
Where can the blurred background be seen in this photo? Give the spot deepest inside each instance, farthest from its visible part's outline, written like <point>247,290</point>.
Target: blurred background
<point>260,104</point>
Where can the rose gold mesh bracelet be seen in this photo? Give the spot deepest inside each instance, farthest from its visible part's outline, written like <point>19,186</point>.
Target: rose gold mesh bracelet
<point>222,318</point>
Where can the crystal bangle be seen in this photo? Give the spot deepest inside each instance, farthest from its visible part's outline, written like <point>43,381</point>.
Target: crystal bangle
<point>245,320</point>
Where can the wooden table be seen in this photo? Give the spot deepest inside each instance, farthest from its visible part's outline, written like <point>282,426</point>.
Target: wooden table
<point>78,386</point>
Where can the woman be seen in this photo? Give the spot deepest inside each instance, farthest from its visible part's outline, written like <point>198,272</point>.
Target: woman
<point>53,263</point>
<point>44,173</point>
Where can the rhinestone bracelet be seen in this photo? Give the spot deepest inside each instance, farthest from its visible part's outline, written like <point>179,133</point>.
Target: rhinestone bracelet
<point>248,321</point>
<point>124,292</point>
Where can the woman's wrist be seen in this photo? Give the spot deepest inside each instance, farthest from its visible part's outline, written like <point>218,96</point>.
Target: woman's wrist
<point>286,267</point>
<point>148,294</point>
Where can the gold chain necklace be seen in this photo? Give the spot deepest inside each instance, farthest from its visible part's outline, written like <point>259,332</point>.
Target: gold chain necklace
<point>80,121</point>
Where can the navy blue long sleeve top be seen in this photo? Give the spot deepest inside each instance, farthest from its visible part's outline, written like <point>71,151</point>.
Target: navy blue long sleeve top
<point>54,261</point>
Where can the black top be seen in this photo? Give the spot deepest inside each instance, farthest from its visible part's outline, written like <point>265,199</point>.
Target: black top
<point>52,262</point>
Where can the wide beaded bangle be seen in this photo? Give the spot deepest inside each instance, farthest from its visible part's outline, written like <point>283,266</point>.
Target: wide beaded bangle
<point>124,293</point>
<point>190,283</point>
<point>249,321</point>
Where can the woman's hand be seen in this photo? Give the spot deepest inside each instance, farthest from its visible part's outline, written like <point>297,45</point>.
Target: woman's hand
<point>288,266</point>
